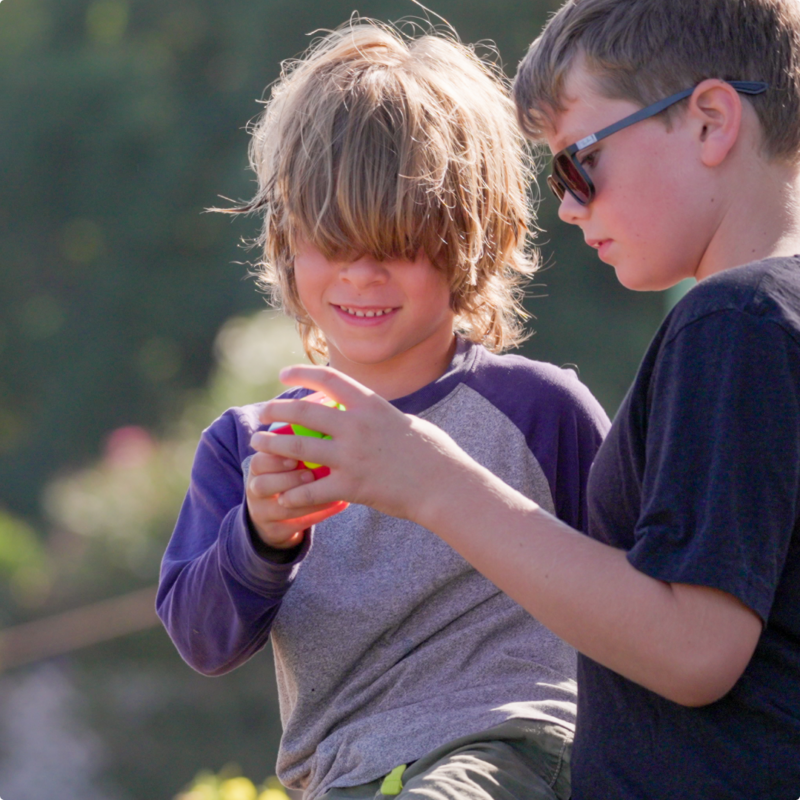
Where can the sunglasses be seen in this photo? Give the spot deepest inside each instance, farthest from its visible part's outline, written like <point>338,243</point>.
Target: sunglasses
<point>569,176</point>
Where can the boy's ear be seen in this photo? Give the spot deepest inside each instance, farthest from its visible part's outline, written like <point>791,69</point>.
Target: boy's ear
<point>716,109</point>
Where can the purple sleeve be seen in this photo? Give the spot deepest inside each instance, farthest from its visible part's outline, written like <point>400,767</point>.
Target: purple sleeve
<point>217,595</point>
<point>561,420</point>
<point>567,446</point>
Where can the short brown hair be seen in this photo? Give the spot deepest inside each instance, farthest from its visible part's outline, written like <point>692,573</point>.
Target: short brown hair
<point>645,50</point>
<point>378,142</point>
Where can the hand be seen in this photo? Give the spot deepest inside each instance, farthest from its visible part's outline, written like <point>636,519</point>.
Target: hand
<point>396,463</point>
<point>270,475</point>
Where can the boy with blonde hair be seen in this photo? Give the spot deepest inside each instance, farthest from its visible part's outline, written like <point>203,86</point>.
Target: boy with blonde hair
<point>392,182</point>
<point>675,128</point>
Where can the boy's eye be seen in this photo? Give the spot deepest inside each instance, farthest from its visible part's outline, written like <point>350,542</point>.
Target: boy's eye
<point>590,159</point>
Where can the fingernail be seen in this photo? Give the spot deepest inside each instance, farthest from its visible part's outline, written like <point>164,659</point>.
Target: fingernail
<point>307,477</point>
<point>289,463</point>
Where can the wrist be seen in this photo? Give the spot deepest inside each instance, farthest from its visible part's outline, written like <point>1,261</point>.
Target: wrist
<point>278,552</point>
<point>462,495</point>
<point>441,484</point>
<point>278,555</point>
<point>263,572</point>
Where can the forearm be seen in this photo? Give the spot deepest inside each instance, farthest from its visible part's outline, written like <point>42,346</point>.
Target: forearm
<point>218,605</point>
<point>671,638</point>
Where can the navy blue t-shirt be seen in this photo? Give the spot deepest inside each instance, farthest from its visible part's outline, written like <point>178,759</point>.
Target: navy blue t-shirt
<point>699,480</point>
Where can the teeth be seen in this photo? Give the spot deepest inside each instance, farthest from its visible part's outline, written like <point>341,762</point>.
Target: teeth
<point>356,313</point>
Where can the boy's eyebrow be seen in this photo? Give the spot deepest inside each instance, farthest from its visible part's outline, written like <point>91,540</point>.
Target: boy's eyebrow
<point>568,136</point>
<point>572,136</point>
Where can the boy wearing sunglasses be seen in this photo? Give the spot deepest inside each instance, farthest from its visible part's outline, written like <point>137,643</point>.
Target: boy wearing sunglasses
<point>676,129</point>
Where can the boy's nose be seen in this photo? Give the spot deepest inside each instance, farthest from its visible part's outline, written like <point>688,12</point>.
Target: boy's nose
<point>570,210</point>
<point>364,271</point>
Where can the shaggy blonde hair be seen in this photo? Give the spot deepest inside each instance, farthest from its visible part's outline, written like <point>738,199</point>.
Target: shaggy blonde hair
<point>379,143</point>
<point>646,50</point>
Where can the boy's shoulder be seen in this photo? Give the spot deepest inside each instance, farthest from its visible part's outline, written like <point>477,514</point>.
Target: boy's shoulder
<point>521,366</point>
<point>520,385</point>
<point>505,380</point>
<point>768,290</point>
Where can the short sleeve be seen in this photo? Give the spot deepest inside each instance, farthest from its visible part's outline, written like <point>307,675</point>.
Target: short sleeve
<point>719,491</point>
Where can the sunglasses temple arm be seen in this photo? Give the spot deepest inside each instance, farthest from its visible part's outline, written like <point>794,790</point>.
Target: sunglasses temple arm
<point>644,113</point>
<point>749,87</point>
<point>744,87</point>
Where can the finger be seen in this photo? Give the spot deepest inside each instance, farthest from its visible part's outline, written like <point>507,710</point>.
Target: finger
<point>300,448</point>
<point>321,492</point>
<point>306,520</point>
<point>300,412</point>
<point>271,483</point>
<point>257,442</point>
<point>334,384</point>
<point>281,533</point>
<point>262,463</point>
<point>303,516</point>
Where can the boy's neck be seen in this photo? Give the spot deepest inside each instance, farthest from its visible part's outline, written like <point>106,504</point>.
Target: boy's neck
<point>403,374</point>
<point>760,220</point>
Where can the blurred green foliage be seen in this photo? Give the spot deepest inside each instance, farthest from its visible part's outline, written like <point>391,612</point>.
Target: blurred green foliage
<point>22,563</point>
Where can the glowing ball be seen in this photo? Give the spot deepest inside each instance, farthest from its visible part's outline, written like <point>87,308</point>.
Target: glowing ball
<point>288,429</point>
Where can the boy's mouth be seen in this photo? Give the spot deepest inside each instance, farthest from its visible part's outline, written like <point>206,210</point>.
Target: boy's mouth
<point>365,312</point>
<point>601,245</point>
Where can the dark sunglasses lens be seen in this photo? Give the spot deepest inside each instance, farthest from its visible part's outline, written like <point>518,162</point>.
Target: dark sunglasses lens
<point>568,174</point>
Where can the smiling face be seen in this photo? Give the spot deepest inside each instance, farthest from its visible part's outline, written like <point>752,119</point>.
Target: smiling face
<point>388,324</point>
<point>651,216</point>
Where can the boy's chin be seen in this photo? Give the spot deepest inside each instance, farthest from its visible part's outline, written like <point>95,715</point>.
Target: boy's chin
<point>637,285</point>
<point>640,279</point>
<point>631,278</point>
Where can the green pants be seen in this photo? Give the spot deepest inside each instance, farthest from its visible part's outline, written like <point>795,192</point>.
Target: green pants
<point>519,760</point>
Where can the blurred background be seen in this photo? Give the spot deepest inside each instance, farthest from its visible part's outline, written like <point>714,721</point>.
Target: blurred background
<point>128,323</point>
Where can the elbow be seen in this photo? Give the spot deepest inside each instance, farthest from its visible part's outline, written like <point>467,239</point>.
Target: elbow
<point>202,660</point>
<point>701,679</point>
<point>209,670</point>
<point>707,658</point>
<point>697,694</point>
<point>194,647</point>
